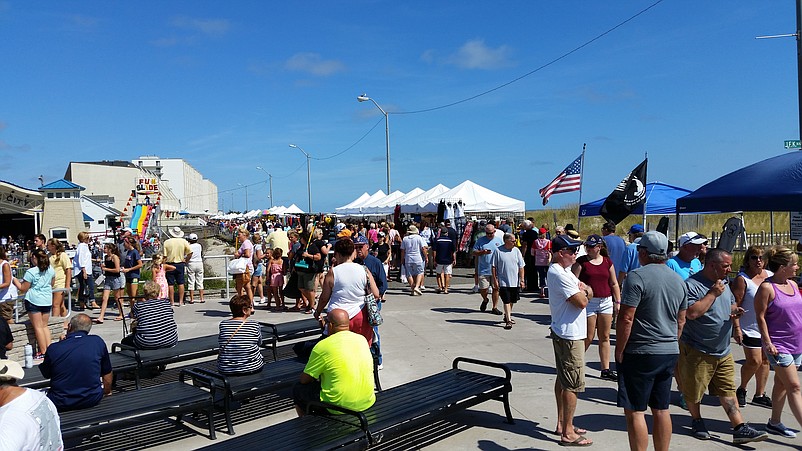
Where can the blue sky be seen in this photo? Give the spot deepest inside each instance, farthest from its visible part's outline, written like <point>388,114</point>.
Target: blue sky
<point>229,85</point>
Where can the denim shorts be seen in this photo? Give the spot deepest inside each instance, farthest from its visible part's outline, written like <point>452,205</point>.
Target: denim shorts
<point>781,359</point>
<point>112,283</point>
<point>31,308</point>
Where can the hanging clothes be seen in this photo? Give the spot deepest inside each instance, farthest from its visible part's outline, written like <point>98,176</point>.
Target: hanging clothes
<point>449,213</point>
<point>466,237</point>
<point>441,211</point>
<point>459,210</point>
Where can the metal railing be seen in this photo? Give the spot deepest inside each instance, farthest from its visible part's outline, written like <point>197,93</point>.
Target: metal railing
<point>18,305</point>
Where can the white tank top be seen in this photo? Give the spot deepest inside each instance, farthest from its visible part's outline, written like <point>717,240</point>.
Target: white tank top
<point>349,288</point>
<point>748,320</point>
<point>9,292</point>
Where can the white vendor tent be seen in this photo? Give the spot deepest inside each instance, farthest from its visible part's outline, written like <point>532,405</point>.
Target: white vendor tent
<point>354,203</point>
<point>292,210</point>
<point>415,204</point>
<point>353,208</point>
<point>389,208</point>
<point>477,198</point>
<point>372,208</point>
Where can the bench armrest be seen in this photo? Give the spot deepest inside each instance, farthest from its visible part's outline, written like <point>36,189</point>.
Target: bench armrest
<point>205,380</point>
<point>501,366</point>
<point>363,422</point>
<point>211,376</point>
<point>116,347</point>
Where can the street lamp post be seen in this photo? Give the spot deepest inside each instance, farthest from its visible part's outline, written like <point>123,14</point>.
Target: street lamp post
<point>246,196</point>
<point>365,98</point>
<point>308,175</point>
<point>269,176</point>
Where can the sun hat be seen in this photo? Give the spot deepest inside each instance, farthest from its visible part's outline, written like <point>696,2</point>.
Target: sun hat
<point>176,232</point>
<point>412,230</point>
<point>10,369</point>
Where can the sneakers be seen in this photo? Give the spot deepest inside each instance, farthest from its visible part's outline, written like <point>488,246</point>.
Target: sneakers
<point>748,434</point>
<point>417,291</point>
<point>699,430</point>
<point>261,301</point>
<point>762,400</point>
<point>496,311</point>
<point>609,375</point>
<point>780,429</point>
<point>741,395</point>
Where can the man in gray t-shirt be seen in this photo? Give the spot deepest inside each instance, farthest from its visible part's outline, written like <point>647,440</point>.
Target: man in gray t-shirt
<point>653,304</point>
<point>705,361</point>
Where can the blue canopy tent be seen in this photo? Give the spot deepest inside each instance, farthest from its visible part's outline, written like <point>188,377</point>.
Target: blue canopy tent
<point>774,184</point>
<point>661,199</point>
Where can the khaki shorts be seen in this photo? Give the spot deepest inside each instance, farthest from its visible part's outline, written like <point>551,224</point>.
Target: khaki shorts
<point>443,269</point>
<point>570,358</point>
<point>484,282</point>
<point>699,371</point>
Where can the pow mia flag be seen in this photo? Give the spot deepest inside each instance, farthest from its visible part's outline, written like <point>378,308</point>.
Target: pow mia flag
<point>630,193</point>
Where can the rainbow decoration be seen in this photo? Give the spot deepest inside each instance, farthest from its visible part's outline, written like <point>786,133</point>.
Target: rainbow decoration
<point>139,218</point>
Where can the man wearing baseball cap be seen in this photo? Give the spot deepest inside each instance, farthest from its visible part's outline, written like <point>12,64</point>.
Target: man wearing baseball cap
<point>568,298</point>
<point>28,420</point>
<point>686,263</point>
<point>629,261</point>
<point>653,305</point>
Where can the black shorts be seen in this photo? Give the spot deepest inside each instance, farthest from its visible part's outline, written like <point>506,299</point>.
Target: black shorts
<point>509,295</point>
<point>644,380</point>
<point>302,394</point>
<point>752,342</point>
<point>176,276</point>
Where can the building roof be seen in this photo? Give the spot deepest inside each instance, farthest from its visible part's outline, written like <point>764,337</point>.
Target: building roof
<point>61,184</point>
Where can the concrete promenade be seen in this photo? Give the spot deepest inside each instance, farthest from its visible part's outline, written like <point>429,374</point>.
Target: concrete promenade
<point>423,334</point>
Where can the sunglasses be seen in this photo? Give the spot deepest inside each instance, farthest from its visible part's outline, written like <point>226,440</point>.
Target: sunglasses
<point>569,250</point>
<point>755,257</point>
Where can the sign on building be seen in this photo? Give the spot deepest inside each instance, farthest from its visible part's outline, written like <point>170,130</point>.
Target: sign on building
<point>147,185</point>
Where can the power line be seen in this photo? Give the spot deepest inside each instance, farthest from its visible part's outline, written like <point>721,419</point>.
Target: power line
<point>561,57</point>
<point>352,145</point>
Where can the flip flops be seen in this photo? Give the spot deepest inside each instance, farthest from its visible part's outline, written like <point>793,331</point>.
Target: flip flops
<point>580,441</point>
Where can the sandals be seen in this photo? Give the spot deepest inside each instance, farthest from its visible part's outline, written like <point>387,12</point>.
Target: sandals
<point>508,325</point>
<point>119,318</point>
<point>97,321</point>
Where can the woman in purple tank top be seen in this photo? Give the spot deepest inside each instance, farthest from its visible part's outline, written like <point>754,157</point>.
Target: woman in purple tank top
<point>778,307</point>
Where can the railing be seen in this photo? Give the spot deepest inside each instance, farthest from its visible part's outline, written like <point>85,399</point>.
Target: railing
<point>18,304</point>
<point>757,239</point>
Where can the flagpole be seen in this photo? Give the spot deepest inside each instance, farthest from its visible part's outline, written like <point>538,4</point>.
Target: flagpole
<point>646,199</point>
<point>581,178</point>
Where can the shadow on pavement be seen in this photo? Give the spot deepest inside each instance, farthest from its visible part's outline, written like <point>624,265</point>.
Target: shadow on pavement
<point>521,367</point>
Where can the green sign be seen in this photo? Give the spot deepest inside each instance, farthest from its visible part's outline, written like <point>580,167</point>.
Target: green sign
<point>793,144</point>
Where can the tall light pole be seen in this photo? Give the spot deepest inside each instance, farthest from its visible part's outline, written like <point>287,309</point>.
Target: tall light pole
<point>269,176</point>
<point>308,175</point>
<point>246,196</point>
<point>365,98</point>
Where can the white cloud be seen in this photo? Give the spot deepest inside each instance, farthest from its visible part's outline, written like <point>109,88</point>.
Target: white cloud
<point>314,64</point>
<point>212,27</point>
<point>475,54</point>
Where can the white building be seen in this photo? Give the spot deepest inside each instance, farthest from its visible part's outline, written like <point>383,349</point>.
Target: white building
<point>197,195</point>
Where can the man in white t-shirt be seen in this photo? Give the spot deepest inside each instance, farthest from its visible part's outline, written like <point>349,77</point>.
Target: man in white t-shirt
<point>568,298</point>
<point>414,256</point>
<point>28,420</point>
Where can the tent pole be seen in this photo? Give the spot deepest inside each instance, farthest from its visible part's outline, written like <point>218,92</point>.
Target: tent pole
<point>581,179</point>
<point>771,225</point>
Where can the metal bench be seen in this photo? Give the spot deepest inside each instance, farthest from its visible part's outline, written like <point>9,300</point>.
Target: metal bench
<point>396,411</point>
<point>119,363</point>
<point>292,330</point>
<point>135,407</point>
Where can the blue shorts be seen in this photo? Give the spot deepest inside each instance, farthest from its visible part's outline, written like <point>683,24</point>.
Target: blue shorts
<point>31,308</point>
<point>176,276</point>
<point>644,380</point>
<point>259,270</point>
<point>414,268</point>
<point>782,360</point>
<point>112,283</point>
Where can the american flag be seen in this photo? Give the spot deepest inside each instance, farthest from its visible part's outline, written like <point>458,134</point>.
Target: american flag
<point>570,179</point>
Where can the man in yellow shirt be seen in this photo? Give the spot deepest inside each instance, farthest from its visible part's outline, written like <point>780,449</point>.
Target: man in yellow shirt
<point>177,253</point>
<point>339,371</point>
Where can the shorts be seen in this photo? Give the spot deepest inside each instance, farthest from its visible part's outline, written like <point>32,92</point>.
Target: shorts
<point>194,275</point>
<point>601,306</point>
<point>415,268</point>
<point>306,281</point>
<point>782,360</point>
<point>484,282</point>
<point>569,356</point>
<point>113,283</point>
<point>699,371</point>
<point>509,295</point>
<point>644,380</point>
<point>302,394</point>
<point>32,308</point>
<point>259,270</point>
<point>176,276</point>
<point>752,342</point>
<point>132,280</point>
<point>444,269</point>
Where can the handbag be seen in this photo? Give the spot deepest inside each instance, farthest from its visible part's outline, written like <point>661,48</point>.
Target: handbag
<point>374,315</point>
<point>291,288</point>
<point>238,266</point>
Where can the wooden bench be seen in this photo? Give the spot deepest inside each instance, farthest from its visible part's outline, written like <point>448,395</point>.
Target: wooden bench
<point>139,406</point>
<point>396,411</point>
<point>292,330</point>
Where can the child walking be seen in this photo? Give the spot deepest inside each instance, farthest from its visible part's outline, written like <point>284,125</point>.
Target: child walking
<point>276,279</point>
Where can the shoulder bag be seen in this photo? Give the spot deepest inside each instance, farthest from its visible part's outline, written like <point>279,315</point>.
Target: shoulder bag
<point>371,304</point>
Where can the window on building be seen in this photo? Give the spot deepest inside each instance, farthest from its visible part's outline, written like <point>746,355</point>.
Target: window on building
<point>50,195</point>
<point>67,195</point>
<point>59,234</point>
<point>59,195</point>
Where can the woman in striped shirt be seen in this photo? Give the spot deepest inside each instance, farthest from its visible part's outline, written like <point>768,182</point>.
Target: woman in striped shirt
<point>155,326</point>
<point>239,340</point>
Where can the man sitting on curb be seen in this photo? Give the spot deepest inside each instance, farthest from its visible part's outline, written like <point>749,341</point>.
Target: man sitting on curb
<point>76,365</point>
<point>339,371</point>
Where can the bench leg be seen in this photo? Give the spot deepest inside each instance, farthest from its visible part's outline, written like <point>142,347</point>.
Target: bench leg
<point>506,400</point>
<point>227,407</point>
<point>210,415</point>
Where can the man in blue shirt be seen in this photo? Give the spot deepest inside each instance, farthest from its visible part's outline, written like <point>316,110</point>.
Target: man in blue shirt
<point>615,244</point>
<point>629,261</point>
<point>375,266</point>
<point>686,263</point>
<point>75,367</point>
<point>483,251</point>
